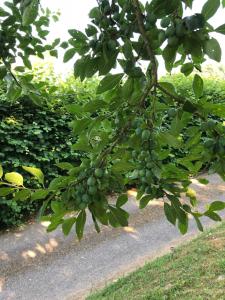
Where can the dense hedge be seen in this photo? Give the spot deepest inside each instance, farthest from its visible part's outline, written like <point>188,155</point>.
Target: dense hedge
<point>37,136</point>
<point>41,137</point>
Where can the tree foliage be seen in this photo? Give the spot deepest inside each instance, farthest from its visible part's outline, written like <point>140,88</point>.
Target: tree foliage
<point>126,141</point>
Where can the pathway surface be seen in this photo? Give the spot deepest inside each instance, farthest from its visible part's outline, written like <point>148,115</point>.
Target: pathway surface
<point>39,266</point>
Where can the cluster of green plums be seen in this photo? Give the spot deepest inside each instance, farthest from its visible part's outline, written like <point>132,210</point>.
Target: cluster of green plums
<point>175,30</point>
<point>88,189</point>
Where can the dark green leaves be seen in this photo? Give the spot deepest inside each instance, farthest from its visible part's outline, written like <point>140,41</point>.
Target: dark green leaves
<point>198,86</point>
<point>144,201</point>
<point>78,35</point>
<point>210,8</point>
<point>109,82</point>
<point>69,54</point>
<point>122,199</point>
<point>169,55</point>
<point>80,223</point>
<point>162,8</point>
<point>170,213</point>
<point>3,71</point>
<point>118,216</point>
<point>212,49</point>
<point>67,225</point>
<point>221,29</point>
<point>187,69</point>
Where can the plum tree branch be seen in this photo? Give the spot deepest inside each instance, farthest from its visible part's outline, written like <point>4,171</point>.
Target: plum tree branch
<point>139,16</point>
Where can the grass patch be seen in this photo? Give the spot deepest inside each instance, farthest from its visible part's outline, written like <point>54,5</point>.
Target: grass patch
<point>195,270</point>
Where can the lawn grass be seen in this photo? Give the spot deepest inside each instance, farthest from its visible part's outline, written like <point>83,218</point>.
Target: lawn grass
<point>194,271</point>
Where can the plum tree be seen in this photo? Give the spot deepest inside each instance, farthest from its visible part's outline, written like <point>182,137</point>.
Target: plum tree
<point>121,134</point>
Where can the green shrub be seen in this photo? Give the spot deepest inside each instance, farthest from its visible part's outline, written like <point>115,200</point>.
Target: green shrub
<point>37,136</point>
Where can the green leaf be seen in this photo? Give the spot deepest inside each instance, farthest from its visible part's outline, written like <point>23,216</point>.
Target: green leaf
<point>95,13</point>
<point>120,215</point>
<point>109,82</point>
<point>69,54</point>
<point>91,30</point>
<point>58,207</point>
<point>3,71</point>
<point>187,69</point>
<point>75,109</point>
<point>212,215</point>
<point>169,87</point>
<point>37,173</point>
<point>1,171</point>
<point>183,226</point>
<point>121,200</point>
<point>78,35</point>
<point>217,109</point>
<point>169,55</point>
<point>198,86</point>
<point>122,166</point>
<point>80,223</point>
<point>22,195</point>
<point>39,195</point>
<point>221,29</point>
<point>13,91</point>
<point>14,178</point>
<point>65,166</point>
<point>144,201</point>
<point>199,224</point>
<point>30,13</point>
<point>67,225</point>
<point>162,8</point>
<point>217,205</point>
<point>6,191</point>
<point>203,180</point>
<point>97,228</point>
<point>210,8</point>
<point>170,213</point>
<point>212,49</point>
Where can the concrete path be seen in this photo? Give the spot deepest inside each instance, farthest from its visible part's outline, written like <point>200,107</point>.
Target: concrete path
<point>39,266</point>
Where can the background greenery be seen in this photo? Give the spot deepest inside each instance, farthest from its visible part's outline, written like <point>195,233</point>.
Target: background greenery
<point>40,136</point>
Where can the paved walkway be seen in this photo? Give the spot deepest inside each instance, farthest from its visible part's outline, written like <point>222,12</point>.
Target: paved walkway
<point>35,265</point>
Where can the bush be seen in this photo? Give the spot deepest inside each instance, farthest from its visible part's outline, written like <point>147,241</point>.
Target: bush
<point>37,136</point>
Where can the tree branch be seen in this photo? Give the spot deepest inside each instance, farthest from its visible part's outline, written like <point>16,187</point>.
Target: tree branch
<point>151,54</point>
